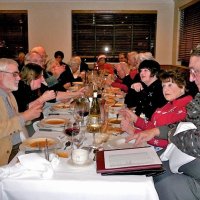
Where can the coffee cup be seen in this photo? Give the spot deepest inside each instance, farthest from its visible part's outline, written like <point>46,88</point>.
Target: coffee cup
<point>80,156</point>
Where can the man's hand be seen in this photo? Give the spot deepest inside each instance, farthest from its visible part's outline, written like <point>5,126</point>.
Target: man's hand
<point>33,112</point>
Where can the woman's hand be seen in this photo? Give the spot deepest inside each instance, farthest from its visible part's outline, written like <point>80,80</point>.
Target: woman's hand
<point>46,96</point>
<point>145,136</point>
<point>67,85</point>
<point>128,115</point>
<point>82,75</point>
<point>137,87</point>
<point>127,127</point>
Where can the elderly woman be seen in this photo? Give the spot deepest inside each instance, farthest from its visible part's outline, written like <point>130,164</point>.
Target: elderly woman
<point>146,101</point>
<point>28,89</point>
<point>174,90</point>
<point>122,70</point>
<point>64,78</point>
<point>184,182</point>
<point>75,68</point>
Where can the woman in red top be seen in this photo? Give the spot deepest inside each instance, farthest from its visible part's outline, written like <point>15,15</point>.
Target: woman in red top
<point>104,66</point>
<point>174,90</point>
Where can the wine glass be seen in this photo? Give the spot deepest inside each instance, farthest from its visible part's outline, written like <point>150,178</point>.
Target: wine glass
<point>71,129</point>
<point>81,110</point>
<point>77,139</point>
<point>94,124</point>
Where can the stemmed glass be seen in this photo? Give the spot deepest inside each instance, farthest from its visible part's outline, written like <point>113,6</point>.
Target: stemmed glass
<point>81,110</point>
<point>78,139</point>
<point>94,124</point>
<point>71,128</point>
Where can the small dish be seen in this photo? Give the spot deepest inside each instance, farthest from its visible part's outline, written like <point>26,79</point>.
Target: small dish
<point>53,122</point>
<point>115,121</point>
<point>86,164</point>
<point>77,83</point>
<point>120,143</point>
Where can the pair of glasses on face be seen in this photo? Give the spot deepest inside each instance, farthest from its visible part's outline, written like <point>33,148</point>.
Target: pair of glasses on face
<point>194,72</point>
<point>15,74</point>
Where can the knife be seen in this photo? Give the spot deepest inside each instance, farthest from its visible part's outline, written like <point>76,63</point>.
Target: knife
<point>54,114</point>
<point>48,129</point>
<point>33,151</point>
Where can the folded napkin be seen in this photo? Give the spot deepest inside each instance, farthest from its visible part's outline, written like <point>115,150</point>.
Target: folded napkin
<point>31,165</point>
<point>176,157</point>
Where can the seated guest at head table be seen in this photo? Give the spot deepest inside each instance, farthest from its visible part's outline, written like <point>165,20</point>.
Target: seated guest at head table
<point>11,121</point>
<point>59,56</point>
<point>102,65</point>
<point>134,60</point>
<point>28,93</point>
<point>122,57</point>
<point>145,99</point>
<point>63,74</point>
<point>183,182</point>
<point>174,90</point>
<point>122,71</point>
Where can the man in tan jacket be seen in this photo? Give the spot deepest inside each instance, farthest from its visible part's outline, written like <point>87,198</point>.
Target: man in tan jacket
<point>11,121</point>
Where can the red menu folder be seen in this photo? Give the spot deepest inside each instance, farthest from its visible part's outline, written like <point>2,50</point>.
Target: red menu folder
<point>140,161</point>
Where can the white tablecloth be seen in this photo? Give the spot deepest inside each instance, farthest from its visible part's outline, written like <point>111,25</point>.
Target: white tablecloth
<point>74,183</point>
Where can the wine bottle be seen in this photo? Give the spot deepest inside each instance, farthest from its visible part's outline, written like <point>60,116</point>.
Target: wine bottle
<point>95,108</point>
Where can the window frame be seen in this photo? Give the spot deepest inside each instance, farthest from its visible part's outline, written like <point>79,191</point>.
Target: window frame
<point>115,45</point>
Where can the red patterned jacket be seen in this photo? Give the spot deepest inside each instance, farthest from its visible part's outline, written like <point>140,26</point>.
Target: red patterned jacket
<point>170,113</point>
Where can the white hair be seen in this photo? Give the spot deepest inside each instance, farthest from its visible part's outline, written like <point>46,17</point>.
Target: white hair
<point>145,56</point>
<point>4,62</point>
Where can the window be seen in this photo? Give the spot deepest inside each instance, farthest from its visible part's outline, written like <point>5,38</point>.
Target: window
<point>189,32</point>
<point>13,33</point>
<point>111,33</point>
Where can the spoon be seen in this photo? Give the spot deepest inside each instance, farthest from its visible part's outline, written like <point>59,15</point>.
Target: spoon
<point>67,144</point>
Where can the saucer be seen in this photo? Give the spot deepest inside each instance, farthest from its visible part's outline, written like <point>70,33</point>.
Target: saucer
<point>86,164</point>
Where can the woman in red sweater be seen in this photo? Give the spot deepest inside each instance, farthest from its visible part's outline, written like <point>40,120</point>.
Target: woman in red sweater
<point>174,90</point>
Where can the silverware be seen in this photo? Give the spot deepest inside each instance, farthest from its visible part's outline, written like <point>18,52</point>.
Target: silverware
<point>67,144</point>
<point>54,114</point>
<point>33,151</point>
<point>48,129</point>
<point>46,150</point>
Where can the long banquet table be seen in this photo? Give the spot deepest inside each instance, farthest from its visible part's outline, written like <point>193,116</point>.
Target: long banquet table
<point>76,182</point>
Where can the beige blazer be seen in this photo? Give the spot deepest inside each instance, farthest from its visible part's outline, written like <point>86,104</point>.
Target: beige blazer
<point>8,126</point>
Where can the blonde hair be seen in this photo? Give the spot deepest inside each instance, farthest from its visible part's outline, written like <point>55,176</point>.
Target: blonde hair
<point>50,64</point>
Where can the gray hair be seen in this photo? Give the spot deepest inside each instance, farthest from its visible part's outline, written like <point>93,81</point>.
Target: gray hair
<point>29,59</point>
<point>4,62</point>
<point>196,51</point>
<point>74,61</point>
<point>145,56</point>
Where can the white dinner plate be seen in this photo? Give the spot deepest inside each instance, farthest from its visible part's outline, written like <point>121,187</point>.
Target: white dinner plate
<point>39,143</point>
<point>61,107</point>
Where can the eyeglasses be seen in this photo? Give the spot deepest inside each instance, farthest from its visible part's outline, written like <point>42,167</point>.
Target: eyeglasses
<point>194,72</point>
<point>15,74</point>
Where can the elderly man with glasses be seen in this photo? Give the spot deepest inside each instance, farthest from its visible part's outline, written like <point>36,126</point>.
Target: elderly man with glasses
<point>12,123</point>
<point>181,181</point>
